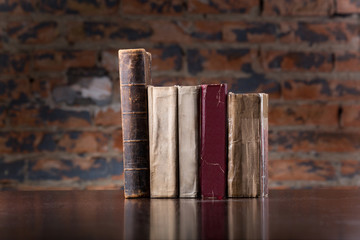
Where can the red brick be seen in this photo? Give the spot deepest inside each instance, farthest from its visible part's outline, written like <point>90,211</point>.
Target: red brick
<point>96,7</point>
<point>83,142</point>
<point>18,7</point>
<point>321,89</point>
<point>3,114</point>
<point>28,32</point>
<point>117,140</point>
<point>47,60</point>
<point>170,81</point>
<point>318,141</point>
<point>305,170</point>
<point>347,61</point>
<point>20,142</point>
<point>303,114</point>
<point>347,6</point>
<point>297,61</point>
<point>163,7</point>
<point>350,116</point>
<point>14,63</point>
<point>109,116</point>
<point>350,168</point>
<point>230,59</point>
<point>110,60</point>
<point>219,6</point>
<point>319,32</point>
<point>253,32</point>
<point>298,7</point>
<point>15,91</point>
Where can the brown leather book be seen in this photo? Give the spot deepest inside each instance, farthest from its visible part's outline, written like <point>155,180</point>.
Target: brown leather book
<point>247,145</point>
<point>163,141</point>
<point>134,70</point>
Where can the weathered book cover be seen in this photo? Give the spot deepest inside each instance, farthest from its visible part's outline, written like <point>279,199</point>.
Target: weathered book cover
<point>188,120</point>
<point>134,71</point>
<point>163,140</point>
<point>247,145</point>
<point>213,141</point>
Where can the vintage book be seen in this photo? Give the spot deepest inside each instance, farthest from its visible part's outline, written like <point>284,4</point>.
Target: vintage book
<point>248,145</point>
<point>188,120</point>
<point>163,141</point>
<point>134,71</point>
<point>213,141</point>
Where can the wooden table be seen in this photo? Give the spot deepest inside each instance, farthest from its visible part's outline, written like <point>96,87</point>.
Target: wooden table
<point>287,214</point>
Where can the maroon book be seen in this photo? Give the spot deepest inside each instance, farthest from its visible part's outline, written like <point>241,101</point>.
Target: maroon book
<point>213,141</point>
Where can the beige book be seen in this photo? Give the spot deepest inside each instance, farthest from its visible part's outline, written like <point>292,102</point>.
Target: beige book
<point>188,120</point>
<point>247,145</point>
<point>163,139</point>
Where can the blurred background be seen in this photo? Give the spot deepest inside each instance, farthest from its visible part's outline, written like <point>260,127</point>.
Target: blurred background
<point>60,122</point>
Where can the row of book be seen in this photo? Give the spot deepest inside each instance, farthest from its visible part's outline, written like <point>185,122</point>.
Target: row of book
<point>190,141</point>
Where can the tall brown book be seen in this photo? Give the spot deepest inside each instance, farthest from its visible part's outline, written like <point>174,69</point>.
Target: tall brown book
<point>134,70</point>
<point>247,145</point>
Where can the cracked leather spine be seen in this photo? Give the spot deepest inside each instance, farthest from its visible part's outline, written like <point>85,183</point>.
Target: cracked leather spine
<point>247,145</point>
<point>213,159</point>
<point>134,71</point>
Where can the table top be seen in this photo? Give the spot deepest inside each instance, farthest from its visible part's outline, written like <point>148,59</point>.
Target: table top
<point>286,214</point>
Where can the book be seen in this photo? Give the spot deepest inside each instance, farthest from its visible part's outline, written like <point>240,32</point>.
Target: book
<point>134,71</point>
<point>188,121</point>
<point>163,141</point>
<point>248,145</point>
<point>213,147</point>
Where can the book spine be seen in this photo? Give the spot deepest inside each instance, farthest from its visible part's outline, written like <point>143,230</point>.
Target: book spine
<point>247,145</point>
<point>134,71</point>
<point>163,141</point>
<point>213,148</point>
<point>188,120</point>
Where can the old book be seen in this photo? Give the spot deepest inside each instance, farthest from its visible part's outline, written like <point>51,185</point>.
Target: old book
<point>213,141</point>
<point>163,141</point>
<point>188,120</point>
<point>134,70</point>
<point>248,145</point>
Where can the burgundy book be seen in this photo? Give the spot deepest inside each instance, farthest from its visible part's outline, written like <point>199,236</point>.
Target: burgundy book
<point>212,170</point>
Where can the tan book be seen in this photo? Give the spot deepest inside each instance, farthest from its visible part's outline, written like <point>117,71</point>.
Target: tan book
<point>163,141</point>
<point>247,145</point>
<point>188,120</point>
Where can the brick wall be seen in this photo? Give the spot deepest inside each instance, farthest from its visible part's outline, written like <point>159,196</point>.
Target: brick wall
<point>60,125</point>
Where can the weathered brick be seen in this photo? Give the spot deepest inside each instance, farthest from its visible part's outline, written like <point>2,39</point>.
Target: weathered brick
<point>49,60</point>
<point>117,169</point>
<point>229,59</point>
<point>20,142</point>
<point>347,61</point>
<point>108,116</point>
<point>163,7</point>
<point>14,63</point>
<point>319,141</point>
<point>219,6</point>
<point>3,114</point>
<point>18,7</point>
<point>347,6</point>
<point>29,32</point>
<point>298,7</point>
<point>168,57</point>
<point>170,81</point>
<point>68,169</point>
<point>34,116</point>
<point>297,61</point>
<point>15,91</point>
<point>303,114</point>
<point>253,32</point>
<point>350,168</point>
<point>296,169</point>
<point>117,140</point>
<point>318,32</point>
<point>350,116</point>
<point>321,89</point>
<point>94,7</point>
<point>83,142</point>
<point>12,170</point>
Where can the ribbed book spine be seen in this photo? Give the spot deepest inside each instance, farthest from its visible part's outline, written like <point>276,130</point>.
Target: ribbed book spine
<point>163,140</point>
<point>188,120</point>
<point>134,71</point>
<point>213,159</point>
<point>247,145</point>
